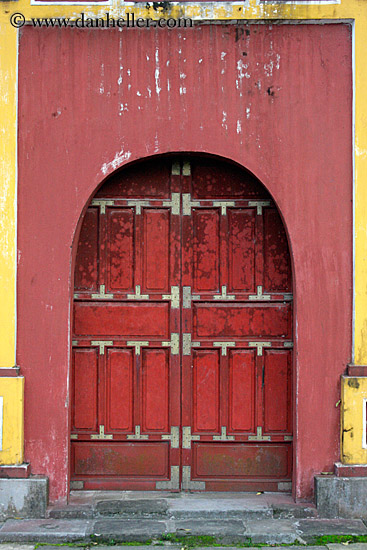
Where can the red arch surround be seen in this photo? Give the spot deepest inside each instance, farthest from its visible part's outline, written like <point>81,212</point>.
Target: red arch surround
<point>298,143</point>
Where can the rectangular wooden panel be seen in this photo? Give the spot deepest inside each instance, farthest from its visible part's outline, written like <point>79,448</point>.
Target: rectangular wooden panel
<point>150,179</point>
<point>242,320</point>
<point>241,400</point>
<point>120,248</point>
<point>277,390</point>
<point>226,182</point>
<point>155,394</point>
<point>122,319</point>
<point>86,274</point>
<point>206,250</point>
<point>206,390</point>
<point>156,249</point>
<point>241,261</point>
<point>277,269</point>
<point>119,389</point>
<point>85,376</point>
<point>242,460</point>
<point>120,459</point>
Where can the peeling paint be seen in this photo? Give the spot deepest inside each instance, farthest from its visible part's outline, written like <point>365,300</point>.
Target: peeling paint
<point>119,159</point>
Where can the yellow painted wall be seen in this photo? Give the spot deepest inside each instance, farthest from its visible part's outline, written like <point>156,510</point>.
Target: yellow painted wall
<point>354,391</point>
<point>8,141</point>
<point>12,391</point>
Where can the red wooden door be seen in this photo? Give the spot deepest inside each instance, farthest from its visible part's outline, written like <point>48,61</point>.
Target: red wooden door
<point>182,333</point>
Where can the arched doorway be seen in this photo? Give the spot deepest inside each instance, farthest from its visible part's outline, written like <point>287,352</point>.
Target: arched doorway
<point>182,333</point>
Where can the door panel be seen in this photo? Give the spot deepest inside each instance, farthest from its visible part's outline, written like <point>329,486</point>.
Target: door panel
<point>239,461</point>
<point>155,390</point>
<point>241,391</point>
<point>119,390</point>
<point>156,255</point>
<point>241,251</point>
<point>120,249</point>
<point>182,333</point>
<point>206,382</point>
<point>86,265</point>
<point>122,319</point>
<point>211,320</point>
<point>85,370</point>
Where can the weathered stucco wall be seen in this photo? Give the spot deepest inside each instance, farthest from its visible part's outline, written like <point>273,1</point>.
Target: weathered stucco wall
<point>275,99</point>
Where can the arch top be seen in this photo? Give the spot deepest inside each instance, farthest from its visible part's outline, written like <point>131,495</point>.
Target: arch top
<point>218,175</point>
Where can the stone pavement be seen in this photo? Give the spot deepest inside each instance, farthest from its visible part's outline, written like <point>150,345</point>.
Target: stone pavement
<point>225,531</point>
<point>168,519</point>
<point>19,546</point>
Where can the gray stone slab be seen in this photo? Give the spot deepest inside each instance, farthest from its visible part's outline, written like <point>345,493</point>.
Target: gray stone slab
<point>24,498</point>
<point>310,529</point>
<point>99,547</point>
<point>273,531</point>
<point>125,530</point>
<point>71,511</point>
<point>17,546</point>
<point>293,510</point>
<point>131,508</point>
<point>354,546</point>
<point>226,531</point>
<point>343,497</point>
<point>219,509</point>
<point>44,530</point>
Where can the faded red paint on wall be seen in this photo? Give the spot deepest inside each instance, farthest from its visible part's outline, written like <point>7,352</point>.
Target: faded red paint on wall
<point>276,100</point>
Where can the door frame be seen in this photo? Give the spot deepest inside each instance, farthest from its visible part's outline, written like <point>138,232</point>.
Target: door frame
<point>188,155</point>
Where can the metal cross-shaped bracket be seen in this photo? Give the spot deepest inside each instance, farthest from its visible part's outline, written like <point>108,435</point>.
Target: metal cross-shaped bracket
<point>259,346</point>
<point>187,344</point>
<point>259,435</point>
<point>224,295</point>
<point>187,204</point>
<point>138,295</point>
<point>187,297</point>
<point>102,203</point>
<point>176,169</point>
<point>102,294</point>
<point>137,344</point>
<point>174,297</point>
<point>224,346</point>
<point>186,168</point>
<point>101,344</point>
<point>259,294</point>
<point>101,434</point>
<point>173,483</point>
<point>174,344</point>
<point>224,205</point>
<point>174,437</point>
<point>189,484</point>
<point>174,204</point>
<point>223,435</point>
<point>138,204</point>
<point>187,437</point>
<point>137,435</point>
<point>259,205</point>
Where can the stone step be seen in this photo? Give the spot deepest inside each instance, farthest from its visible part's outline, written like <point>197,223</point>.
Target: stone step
<point>186,508</point>
<point>227,531</point>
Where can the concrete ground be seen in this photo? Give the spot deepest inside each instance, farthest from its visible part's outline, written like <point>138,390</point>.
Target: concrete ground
<point>18,546</point>
<point>181,520</point>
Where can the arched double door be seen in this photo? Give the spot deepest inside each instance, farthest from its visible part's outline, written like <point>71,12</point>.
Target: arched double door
<point>182,333</point>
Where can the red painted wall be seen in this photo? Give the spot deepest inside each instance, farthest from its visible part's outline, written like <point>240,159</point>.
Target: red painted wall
<point>275,99</point>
